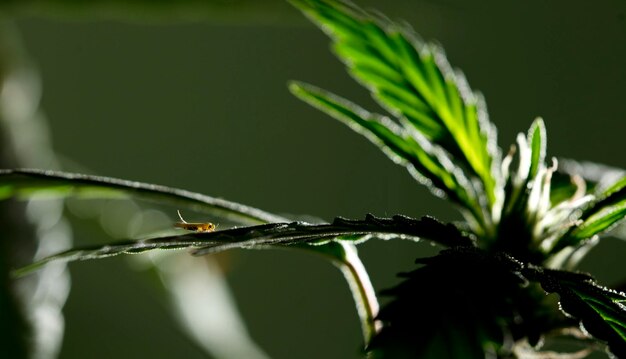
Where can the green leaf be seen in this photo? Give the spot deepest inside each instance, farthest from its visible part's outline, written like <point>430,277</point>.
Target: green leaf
<point>600,217</point>
<point>614,193</point>
<point>527,196</point>
<point>272,234</point>
<point>604,213</point>
<point>564,187</point>
<point>530,152</point>
<point>602,220</point>
<point>601,311</point>
<point>597,176</point>
<point>29,184</point>
<point>537,140</point>
<point>414,82</point>
<point>430,163</point>
<point>33,183</point>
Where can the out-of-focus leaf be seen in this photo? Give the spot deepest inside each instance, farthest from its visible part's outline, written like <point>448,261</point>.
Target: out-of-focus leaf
<point>283,234</point>
<point>601,216</point>
<point>32,324</point>
<point>613,194</point>
<point>594,179</point>
<point>597,176</point>
<point>590,177</point>
<point>414,82</point>
<point>27,184</point>
<point>34,183</point>
<point>200,296</point>
<point>601,311</point>
<point>431,163</point>
<point>563,187</point>
<point>601,221</point>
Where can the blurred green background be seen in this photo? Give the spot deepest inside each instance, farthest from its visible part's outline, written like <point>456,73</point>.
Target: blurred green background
<point>194,96</point>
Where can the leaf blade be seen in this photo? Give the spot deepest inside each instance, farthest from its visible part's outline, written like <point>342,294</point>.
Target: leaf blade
<point>31,183</point>
<point>604,214</point>
<point>600,310</point>
<point>273,234</point>
<point>537,141</point>
<point>602,220</point>
<point>409,148</point>
<point>442,106</point>
<point>451,307</point>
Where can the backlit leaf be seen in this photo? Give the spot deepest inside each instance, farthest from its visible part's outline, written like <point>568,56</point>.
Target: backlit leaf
<point>601,311</point>
<point>431,164</point>
<point>273,234</point>
<point>415,83</point>
<point>34,183</point>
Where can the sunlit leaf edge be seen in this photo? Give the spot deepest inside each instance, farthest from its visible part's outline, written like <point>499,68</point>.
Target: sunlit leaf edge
<point>37,183</point>
<point>601,310</point>
<point>427,162</point>
<point>344,22</point>
<point>274,234</point>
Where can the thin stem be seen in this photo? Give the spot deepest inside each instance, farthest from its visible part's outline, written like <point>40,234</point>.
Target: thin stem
<point>344,255</point>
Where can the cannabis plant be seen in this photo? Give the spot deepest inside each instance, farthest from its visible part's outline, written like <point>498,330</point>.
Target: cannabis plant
<point>503,285</point>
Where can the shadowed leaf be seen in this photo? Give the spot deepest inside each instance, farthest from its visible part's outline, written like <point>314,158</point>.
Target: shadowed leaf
<point>593,178</point>
<point>283,234</point>
<point>462,303</point>
<point>601,311</point>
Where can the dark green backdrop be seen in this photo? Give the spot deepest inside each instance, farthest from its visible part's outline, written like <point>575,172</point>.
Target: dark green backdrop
<point>203,105</point>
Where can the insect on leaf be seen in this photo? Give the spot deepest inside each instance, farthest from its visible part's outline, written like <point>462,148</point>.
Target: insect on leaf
<point>273,234</point>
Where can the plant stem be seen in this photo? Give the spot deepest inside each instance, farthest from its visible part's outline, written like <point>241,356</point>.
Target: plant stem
<point>344,255</point>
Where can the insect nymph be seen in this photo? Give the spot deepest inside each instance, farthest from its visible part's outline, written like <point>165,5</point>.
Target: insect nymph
<point>196,227</point>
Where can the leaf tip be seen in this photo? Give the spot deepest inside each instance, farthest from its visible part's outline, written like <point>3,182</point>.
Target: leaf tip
<point>25,270</point>
<point>295,87</point>
<point>538,127</point>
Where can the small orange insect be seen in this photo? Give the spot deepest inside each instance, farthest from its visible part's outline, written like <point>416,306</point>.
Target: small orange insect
<point>196,227</point>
